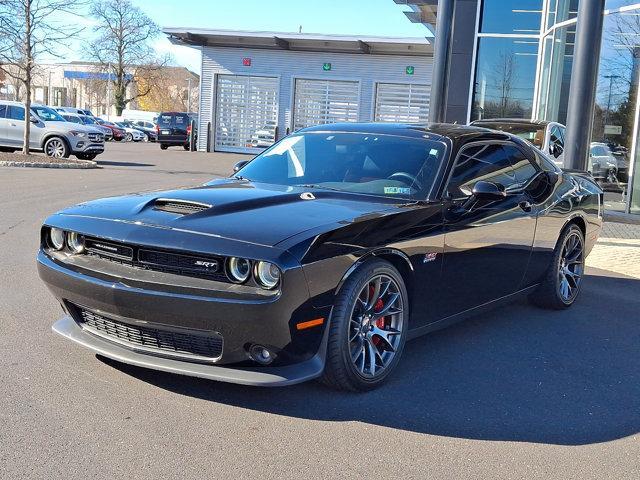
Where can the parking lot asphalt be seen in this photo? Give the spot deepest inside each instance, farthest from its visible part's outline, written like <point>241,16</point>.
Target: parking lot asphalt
<point>515,393</point>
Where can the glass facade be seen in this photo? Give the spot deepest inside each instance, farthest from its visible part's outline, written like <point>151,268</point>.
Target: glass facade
<point>524,58</point>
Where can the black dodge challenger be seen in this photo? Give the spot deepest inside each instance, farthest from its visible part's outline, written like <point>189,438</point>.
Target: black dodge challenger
<point>323,255</point>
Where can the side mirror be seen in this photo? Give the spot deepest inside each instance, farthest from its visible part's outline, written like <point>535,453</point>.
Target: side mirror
<point>33,119</point>
<point>490,191</point>
<point>239,165</point>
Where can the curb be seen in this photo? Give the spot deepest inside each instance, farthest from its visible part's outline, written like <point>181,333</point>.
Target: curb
<point>85,164</point>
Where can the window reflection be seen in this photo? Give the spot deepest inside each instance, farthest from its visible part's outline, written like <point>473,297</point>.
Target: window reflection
<point>511,16</point>
<point>505,77</point>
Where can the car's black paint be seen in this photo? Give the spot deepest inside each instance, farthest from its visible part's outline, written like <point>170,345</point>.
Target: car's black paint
<point>455,255</point>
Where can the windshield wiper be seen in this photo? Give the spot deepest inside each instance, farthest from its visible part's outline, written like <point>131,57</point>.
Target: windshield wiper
<point>240,177</point>
<point>315,185</point>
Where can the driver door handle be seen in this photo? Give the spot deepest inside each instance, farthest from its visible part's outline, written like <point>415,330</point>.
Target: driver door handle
<point>526,206</point>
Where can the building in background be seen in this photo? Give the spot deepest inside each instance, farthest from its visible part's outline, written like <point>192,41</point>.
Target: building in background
<point>259,86</point>
<point>514,58</point>
<point>85,85</point>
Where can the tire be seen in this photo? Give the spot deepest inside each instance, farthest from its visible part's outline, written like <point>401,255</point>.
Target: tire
<point>186,147</point>
<point>86,156</point>
<point>563,281</point>
<point>351,330</point>
<point>56,147</point>
<point>145,138</point>
<point>128,137</point>
<point>163,146</point>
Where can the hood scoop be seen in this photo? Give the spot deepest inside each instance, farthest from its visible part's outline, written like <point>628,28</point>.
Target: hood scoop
<point>181,207</point>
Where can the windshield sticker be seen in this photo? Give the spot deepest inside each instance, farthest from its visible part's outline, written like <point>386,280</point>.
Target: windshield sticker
<point>397,190</point>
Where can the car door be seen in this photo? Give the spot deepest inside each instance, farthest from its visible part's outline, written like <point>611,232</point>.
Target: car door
<point>15,125</point>
<point>487,243</point>
<point>3,125</point>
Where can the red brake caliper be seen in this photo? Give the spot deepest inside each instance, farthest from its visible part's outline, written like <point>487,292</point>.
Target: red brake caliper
<point>380,323</point>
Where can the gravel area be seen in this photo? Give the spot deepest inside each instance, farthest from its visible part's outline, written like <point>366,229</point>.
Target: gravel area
<point>16,159</point>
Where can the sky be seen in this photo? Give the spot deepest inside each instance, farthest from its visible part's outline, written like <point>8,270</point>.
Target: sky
<point>359,17</point>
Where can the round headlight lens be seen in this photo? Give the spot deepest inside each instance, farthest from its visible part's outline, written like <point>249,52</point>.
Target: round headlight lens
<point>56,236</point>
<point>75,242</point>
<point>239,269</point>
<point>267,274</point>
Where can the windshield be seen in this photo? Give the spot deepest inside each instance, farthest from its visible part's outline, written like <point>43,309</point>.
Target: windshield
<point>534,134</point>
<point>374,164</point>
<point>47,114</point>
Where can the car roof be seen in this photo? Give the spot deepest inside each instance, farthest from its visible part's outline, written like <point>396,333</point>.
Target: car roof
<point>519,121</point>
<point>426,130</point>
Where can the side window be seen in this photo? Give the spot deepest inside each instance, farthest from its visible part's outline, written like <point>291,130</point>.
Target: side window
<point>3,111</point>
<point>15,112</point>
<point>523,168</point>
<point>482,162</point>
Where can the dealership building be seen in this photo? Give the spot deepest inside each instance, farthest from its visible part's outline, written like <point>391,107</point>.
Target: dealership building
<point>258,86</point>
<point>499,58</point>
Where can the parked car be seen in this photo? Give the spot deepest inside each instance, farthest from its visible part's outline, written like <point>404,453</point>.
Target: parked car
<point>49,133</point>
<point>78,111</point>
<point>547,136</point>
<point>148,128</point>
<point>131,134</point>
<point>322,255</point>
<point>86,120</point>
<point>603,165</point>
<point>118,133</point>
<point>174,129</point>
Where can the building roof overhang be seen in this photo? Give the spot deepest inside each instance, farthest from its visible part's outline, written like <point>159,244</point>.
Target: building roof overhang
<point>306,42</point>
<point>422,11</point>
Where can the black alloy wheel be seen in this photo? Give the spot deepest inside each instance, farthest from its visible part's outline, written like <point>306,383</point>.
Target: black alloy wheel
<point>368,328</point>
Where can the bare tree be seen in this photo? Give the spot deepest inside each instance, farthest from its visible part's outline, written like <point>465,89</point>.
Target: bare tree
<point>29,29</point>
<point>123,32</point>
<point>505,76</point>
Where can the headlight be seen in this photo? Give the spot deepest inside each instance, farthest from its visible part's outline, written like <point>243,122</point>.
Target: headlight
<point>239,269</point>
<point>56,237</point>
<point>267,274</point>
<point>75,242</point>
<point>78,134</point>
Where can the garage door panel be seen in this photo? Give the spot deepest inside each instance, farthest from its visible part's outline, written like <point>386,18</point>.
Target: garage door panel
<point>246,113</point>
<point>325,101</point>
<point>397,102</point>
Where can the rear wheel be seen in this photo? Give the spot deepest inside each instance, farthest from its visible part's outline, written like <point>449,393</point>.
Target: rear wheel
<point>186,147</point>
<point>368,328</point>
<point>563,281</point>
<point>56,147</point>
<point>163,146</point>
<point>128,137</point>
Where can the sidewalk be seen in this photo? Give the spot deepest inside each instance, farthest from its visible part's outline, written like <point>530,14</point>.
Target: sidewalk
<point>618,249</point>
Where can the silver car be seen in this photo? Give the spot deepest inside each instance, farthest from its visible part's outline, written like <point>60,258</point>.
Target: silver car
<point>50,133</point>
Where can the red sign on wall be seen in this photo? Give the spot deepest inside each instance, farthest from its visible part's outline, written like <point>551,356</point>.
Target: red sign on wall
<point>246,62</point>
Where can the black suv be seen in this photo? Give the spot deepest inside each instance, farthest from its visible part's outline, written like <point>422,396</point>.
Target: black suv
<point>174,129</point>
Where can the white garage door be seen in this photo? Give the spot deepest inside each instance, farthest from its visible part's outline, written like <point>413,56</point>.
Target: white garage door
<point>324,101</point>
<point>396,102</point>
<point>246,113</point>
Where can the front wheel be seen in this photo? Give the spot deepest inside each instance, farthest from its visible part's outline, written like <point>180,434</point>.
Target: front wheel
<point>86,156</point>
<point>128,137</point>
<point>368,328</point>
<point>56,147</point>
<point>163,146</point>
<point>563,281</point>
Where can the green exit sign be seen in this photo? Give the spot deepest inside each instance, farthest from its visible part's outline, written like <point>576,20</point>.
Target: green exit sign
<point>326,67</point>
<point>409,70</point>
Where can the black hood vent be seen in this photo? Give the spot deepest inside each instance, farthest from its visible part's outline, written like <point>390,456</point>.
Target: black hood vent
<point>181,207</point>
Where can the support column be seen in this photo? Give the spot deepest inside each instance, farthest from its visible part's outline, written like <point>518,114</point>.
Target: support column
<point>441,59</point>
<point>584,78</point>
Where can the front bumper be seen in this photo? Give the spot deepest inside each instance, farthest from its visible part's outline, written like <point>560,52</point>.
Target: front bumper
<point>259,376</point>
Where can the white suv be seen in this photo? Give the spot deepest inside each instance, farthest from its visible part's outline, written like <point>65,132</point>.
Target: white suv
<point>50,133</point>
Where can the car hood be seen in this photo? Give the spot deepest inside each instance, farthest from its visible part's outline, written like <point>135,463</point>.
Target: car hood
<point>262,214</point>
<point>70,126</point>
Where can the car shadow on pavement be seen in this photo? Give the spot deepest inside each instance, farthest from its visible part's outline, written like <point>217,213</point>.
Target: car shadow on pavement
<point>515,374</point>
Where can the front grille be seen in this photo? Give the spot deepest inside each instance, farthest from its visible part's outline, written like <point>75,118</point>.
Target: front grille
<point>209,267</point>
<point>96,137</point>
<point>194,345</point>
